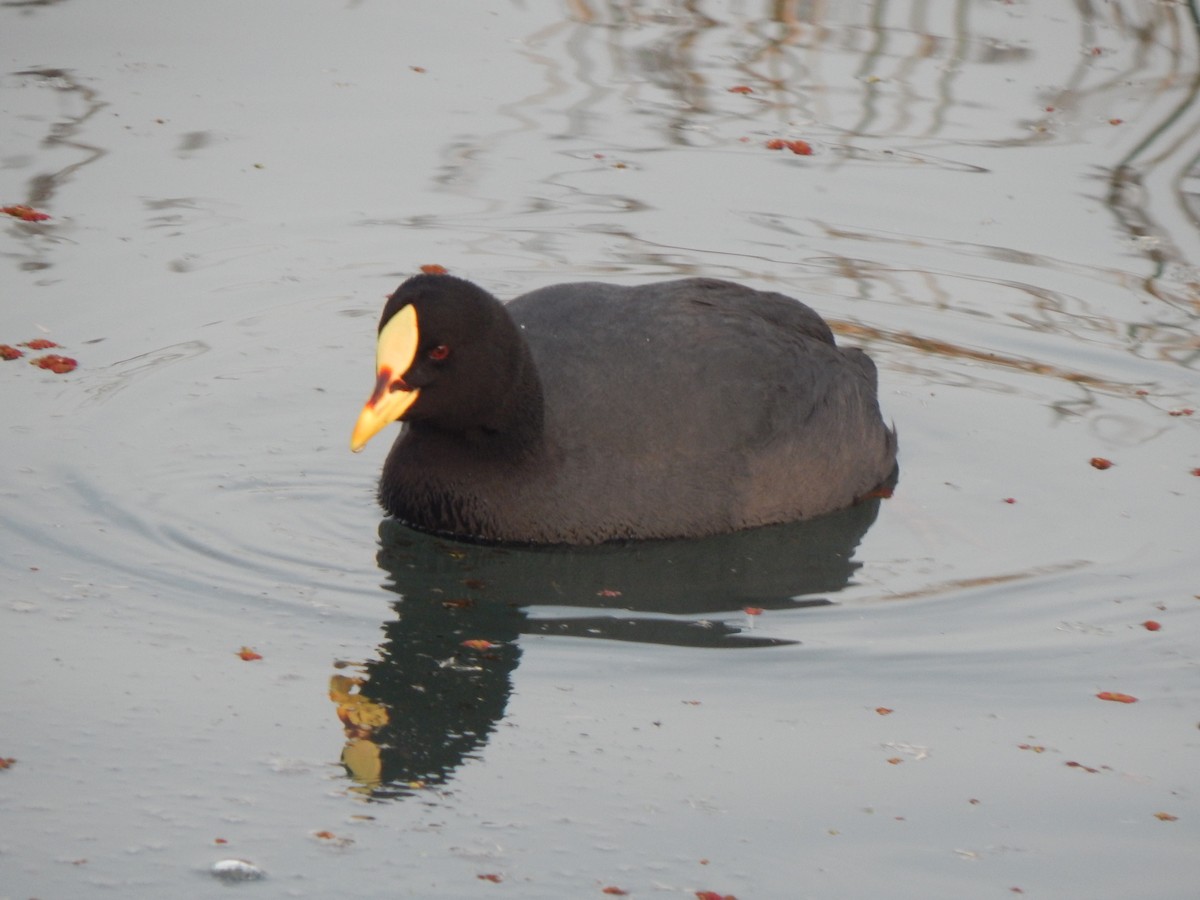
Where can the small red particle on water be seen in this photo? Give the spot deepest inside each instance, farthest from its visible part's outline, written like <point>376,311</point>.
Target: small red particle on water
<point>1099,462</point>
<point>1186,411</point>
<point>479,644</point>
<point>220,841</point>
<point>753,610</point>
<point>1036,748</point>
<point>615,891</point>
<point>713,895</point>
<point>800,148</point>
<point>895,761</point>
<point>39,344</point>
<point>1010,500</point>
<point>884,711</point>
<point>1049,109</point>
<point>1196,472</point>
<point>607,592</point>
<point>248,655</point>
<point>1076,765</point>
<point>420,70</point>
<point>493,878</point>
<point>1166,817</point>
<point>1115,121</point>
<point>24,213</point>
<point>324,835</point>
<point>1142,392</point>
<point>741,89</point>
<point>1117,697</point>
<point>1151,625</point>
<point>974,802</point>
<point>9,352</point>
<point>7,762</point>
<point>55,363</point>
<point>1096,51</point>
<point>434,269</point>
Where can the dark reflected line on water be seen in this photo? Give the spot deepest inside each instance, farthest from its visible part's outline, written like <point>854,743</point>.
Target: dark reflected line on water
<point>947,350</point>
<point>1133,216</point>
<point>64,133</point>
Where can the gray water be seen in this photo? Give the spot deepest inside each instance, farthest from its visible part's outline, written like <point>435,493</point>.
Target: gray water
<point>1001,207</point>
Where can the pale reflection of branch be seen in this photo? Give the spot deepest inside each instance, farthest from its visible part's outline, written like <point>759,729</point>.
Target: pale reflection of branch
<point>949,587</point>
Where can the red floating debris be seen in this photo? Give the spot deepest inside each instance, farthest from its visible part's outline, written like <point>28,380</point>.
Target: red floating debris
<point>1151,625</point>
<point>607,592</point>
<point>248,655</point>
<point>39,344</point>
<point>7,762</point>
<point>741,89</point>
<point>495,879</point>
<point>1010,500</point>
<point>1099,462</point>
<point>884,711</point>
<point>1186,411</point>
<point>1166,817</point>
<point>753,610</point>
<point>1117,697</point>
<point>55,363</point>
<point>9,352</point>
<point>25,213</point>
<point>479,644</point>
<point>434,269</point>
<point>800,148</point>
<point>615,891</point>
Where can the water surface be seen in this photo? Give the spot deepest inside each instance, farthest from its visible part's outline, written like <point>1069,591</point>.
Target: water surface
<point>1000,206</point>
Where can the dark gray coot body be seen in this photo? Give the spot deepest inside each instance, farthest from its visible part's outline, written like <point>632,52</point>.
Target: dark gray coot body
<point>587,412</point>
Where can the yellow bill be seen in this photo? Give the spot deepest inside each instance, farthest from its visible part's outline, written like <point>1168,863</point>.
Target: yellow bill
<point>391,399</point>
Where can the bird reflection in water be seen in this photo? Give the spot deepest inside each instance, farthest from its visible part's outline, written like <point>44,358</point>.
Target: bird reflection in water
<point>443,676</point>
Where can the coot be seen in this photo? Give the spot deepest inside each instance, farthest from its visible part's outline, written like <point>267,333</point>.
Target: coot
<point>587,412</point>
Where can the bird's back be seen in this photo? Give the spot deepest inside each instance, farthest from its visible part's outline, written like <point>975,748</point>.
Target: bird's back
<point>699,403</point>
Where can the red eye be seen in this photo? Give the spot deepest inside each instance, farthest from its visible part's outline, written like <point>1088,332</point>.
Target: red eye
<point>438,353</point>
